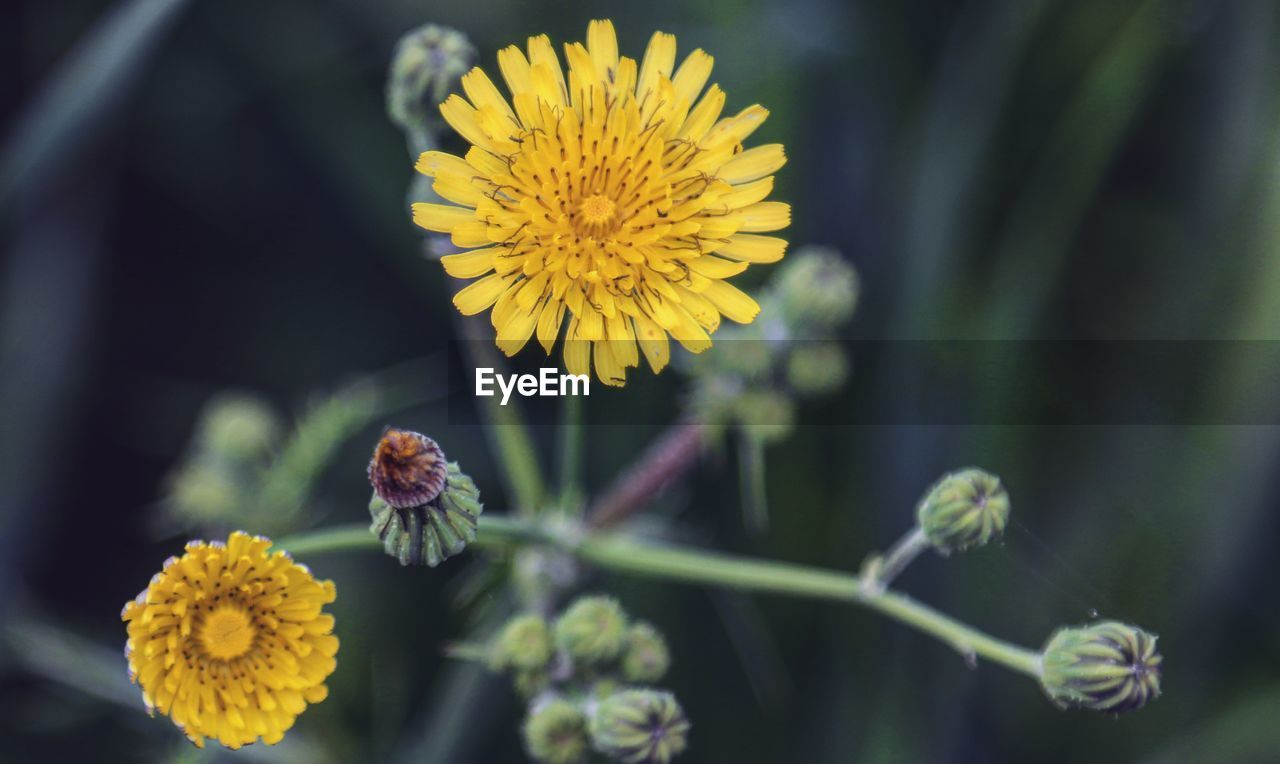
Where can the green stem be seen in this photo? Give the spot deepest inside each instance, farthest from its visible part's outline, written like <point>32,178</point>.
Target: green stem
<point>650,559</point>
<point>571,446</point>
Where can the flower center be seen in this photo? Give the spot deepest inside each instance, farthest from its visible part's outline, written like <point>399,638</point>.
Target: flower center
<point>227,633</point>
<point>597,209</point>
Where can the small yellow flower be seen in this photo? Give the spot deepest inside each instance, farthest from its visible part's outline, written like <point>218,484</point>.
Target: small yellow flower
<point>615,192</point>
<point>231,642</point>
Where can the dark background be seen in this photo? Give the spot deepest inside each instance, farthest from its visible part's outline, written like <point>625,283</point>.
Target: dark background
<point>222,206</point>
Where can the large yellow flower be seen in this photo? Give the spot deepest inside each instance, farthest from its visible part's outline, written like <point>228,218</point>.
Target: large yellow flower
<point>616,193</point>
<point>230,642</point>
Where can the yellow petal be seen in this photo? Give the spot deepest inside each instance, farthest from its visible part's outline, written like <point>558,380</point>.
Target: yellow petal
<point>659,58</point>
<point>480,295</point>
<point>473,233</point>
<point>549,324</point>
<point>435,163</point>
<point>469,265</point>
<point>653,343</point>
<point>753,249</point>
<point>747,193</point>
<point>482,92</point>
<point>731,301</point>
<point>692,75</point>
<point>766,216</point>
<point>716,267</point>
<point>577,352</point>
<point>608,369</point>
<point>602,42</point>
<point>463,118</point>
<point>515,69</point>
<point>754,163</point>
<point>442,218</point>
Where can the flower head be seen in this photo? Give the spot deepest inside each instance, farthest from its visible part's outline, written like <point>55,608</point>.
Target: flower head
<point>640,727</point>
<point>555,732</point>
<point>593,630</point>
<point>231,642</point>
<point>614,197</point>
<point>424,509</point>
<point>964,509</point>
<point>1107,666</point>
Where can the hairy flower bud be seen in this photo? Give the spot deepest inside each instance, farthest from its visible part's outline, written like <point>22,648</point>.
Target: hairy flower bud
<point>524,644</point>
<point>640,727</point>
<point>555,732</point>
<point>426,65</point>
<point>592,631</point>
<point>239,426</point>
<point>1107,666</point>
<point>817,287</point>
<point>408,467</point>
<point>645,657</point>
<point>815,368</point>
<point>964,509</point>
<point>767,415</point>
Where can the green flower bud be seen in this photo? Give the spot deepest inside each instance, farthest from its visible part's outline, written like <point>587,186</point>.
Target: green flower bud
<point>555,732</point>
<point>816,286</point>
<point>434,530</point>
<point>1107,666</point>
<point>645,658</point>
<point>524,644</point>
<point>426,65</point>
<point>817,368</point>
<point>239,427</point>
<point>529,683</point>
<point>204,493</point>
<point>592,631</point>
<point>766,415</point>
<point>640,727</point>
<point>964,509</point>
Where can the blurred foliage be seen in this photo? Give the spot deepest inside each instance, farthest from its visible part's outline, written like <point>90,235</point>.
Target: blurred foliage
<point>222,207</point>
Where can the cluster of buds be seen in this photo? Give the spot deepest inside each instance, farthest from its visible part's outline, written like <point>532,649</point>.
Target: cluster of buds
<point>424,508</point>
<point>584,676</point>
<point>233,442</point>
<point>752,375</point>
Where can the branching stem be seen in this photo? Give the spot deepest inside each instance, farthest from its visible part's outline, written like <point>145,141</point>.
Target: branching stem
<point>656,560</point>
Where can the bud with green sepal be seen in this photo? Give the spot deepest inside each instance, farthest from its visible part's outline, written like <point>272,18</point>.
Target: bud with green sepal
<point>815,368</point>
<point>424,509</point>
<point>523,645</point>
<point>645,658</point>
<point>1108,666</point>
<point>426,66</point>
<point>816,287</point>
<point>555,732</point>
<point>640,727</point>
<point>592,631</point>
<point>964,509</point>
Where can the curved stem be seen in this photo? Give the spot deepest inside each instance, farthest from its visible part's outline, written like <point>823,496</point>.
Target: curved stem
<point>651,559</point>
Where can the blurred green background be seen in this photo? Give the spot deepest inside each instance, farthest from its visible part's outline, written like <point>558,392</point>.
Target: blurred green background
<point>208,195</point>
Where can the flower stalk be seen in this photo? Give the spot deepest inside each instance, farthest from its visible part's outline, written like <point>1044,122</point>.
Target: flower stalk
<point>650,559</point>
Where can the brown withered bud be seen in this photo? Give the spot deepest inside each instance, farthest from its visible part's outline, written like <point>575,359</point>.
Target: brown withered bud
<point>407,469</point>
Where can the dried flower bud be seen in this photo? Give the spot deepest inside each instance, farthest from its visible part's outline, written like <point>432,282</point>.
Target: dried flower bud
<point>964,509</point>
<point>426,65</point>
<point>815,368</point>
<point>555,732</point>
<point>817,286</point>
<point>645,658</point>
<point>407,469</point>
<point>640,727</point>
<point>592,630</point>
<point>441,526</point>
<point>1107,666</point>
<point>524,644</point>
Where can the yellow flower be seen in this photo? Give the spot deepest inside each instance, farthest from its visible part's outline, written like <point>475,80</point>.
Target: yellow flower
<point>615,192</point>
<point>230,642</point>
